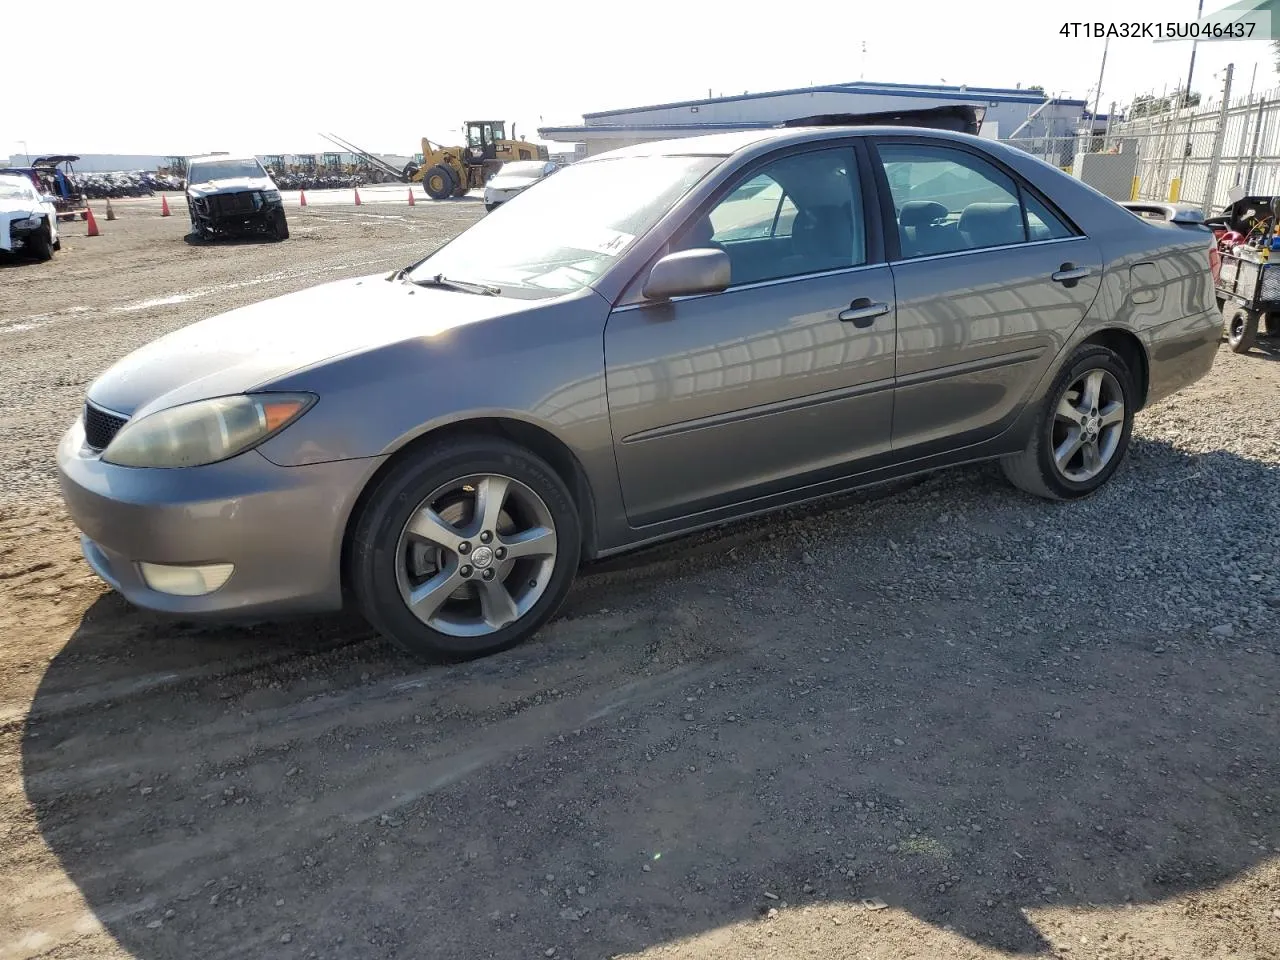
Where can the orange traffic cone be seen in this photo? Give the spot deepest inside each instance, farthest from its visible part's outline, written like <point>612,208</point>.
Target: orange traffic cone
<point>412,202</point>
<point>164,206</point>
<point>302,198</point>
<point>357,190</point>
<point>111,214</point>
<point>93,223</point>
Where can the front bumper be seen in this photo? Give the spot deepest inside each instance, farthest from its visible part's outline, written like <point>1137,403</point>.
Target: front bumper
<point>15,232</point>
<point>281,527</point>
<point>248,211</point>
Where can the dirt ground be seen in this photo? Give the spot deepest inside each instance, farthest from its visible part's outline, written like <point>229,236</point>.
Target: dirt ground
<point>934,720</point>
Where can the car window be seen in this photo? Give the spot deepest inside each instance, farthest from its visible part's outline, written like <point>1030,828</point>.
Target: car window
<point>949,200</point>
<point>15,188</point>
<point>757,208</point>
<point>800,214</point>
<point>1043,223</point>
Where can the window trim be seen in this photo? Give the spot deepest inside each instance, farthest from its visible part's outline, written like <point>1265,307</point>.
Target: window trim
<point>631,295</point>
<point>892,241</point>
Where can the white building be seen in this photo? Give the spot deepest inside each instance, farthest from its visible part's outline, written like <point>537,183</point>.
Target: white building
<point>1009,112</point>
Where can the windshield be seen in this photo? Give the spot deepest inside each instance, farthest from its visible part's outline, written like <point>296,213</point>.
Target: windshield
<point>522,168</point>
<point>564,235</point>
<point>224,170</point>
<point>14,188</point>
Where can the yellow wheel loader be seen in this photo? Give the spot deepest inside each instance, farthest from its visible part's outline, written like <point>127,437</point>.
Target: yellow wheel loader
<point>452,171</point>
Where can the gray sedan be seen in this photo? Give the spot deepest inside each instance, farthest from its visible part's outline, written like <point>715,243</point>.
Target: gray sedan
<point>654,341</point>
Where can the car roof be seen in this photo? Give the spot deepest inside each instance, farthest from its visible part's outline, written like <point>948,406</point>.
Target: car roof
<point>728,144</point>
<point>15,178</point>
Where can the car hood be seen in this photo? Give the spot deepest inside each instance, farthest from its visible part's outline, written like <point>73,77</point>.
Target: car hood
<point>252,346</point>
<point>18,205</point>
<point>238,185</point>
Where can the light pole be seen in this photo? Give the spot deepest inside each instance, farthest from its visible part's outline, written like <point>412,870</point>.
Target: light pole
<point>24,150</point>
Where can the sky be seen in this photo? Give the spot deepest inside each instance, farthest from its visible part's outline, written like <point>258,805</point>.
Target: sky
<point>190,78</point>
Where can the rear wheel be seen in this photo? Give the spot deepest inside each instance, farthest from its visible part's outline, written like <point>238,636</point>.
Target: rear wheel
<point>465,549</point>
<point>1083,430</point>
<point>1240,326</point>
<point>438,182</point>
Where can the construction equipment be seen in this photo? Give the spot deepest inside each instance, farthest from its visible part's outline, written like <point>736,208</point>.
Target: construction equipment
<point>452,171</point>
<point>375,169</point>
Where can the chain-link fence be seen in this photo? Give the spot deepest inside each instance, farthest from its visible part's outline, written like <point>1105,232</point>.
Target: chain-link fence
<point>1195,154</point>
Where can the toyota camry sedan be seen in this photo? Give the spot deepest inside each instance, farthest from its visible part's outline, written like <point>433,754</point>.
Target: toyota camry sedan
<point>656,340</point>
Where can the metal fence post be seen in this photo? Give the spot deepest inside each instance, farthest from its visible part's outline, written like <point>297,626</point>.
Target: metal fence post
<point>1211,181</point>
<point>1253,153</point>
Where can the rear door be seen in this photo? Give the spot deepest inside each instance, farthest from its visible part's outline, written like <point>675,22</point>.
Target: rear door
<point>991,280</point>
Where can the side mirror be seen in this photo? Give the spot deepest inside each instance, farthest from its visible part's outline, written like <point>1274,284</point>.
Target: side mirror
<point>688,272</point>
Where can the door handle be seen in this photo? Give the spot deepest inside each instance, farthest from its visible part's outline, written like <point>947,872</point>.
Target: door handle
<point>862,312</point>
<point>1069,274</point>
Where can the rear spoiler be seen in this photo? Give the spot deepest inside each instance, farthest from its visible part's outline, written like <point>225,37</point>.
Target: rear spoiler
<point>1170,212</point>
<point>958,118</point>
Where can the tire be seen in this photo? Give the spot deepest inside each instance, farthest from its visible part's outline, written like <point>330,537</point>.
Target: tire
<point>439,182</point>
<point>1240,326</point>
<point>1036,469</point>
<point>40,244</point>
<point>388,563</point>
<point>490,207</point>
<point>279,225</point>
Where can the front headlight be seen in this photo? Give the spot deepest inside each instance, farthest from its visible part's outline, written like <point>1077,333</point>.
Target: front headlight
<point>30,223</point>
<point>206,431</point>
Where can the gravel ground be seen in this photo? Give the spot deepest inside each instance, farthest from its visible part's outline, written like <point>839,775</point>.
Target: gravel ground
<point>934,719</point>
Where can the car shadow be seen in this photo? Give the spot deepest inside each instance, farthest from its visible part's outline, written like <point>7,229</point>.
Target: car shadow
<point>8,260</point>
<point>647,774</point>
<point>245,240</point>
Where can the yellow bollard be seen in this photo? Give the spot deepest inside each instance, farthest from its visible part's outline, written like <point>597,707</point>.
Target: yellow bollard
<point>1133,191</point>
<point>1175,189</point>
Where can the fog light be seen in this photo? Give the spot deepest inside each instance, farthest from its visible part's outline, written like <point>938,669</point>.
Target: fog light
<point>185,581</point>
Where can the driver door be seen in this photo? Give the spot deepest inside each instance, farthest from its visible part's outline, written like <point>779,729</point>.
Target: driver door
<point>783,379</point>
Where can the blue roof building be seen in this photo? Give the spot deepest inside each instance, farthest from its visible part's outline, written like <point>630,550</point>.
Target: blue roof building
<point>1009,112</point>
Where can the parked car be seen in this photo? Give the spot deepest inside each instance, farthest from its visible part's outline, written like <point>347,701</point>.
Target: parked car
<point>654,341</point>
<point>513,178</point>
<point>28,219</point>
<point>233,196</point>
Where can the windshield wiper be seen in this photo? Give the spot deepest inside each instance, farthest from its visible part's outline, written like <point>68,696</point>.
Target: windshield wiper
<point>466,286</point>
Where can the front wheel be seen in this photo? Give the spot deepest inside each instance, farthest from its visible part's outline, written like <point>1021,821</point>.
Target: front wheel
<point>438,182</point>
<point>1083,429</point>
<point>40,243</point>
<point>465,549</point>
<point>279,225</point>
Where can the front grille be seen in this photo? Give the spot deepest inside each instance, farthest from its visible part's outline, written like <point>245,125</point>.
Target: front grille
<point>100,427</point>
<point>230,204</point>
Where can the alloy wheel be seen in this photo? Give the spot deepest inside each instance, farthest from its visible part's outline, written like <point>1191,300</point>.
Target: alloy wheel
<point>476,555</point>
<point>1087,425</point>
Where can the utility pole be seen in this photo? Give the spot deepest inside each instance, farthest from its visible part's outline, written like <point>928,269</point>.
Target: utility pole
<point>1186,94</point>
<point>1097,94</point>
<point>1215,160</point>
